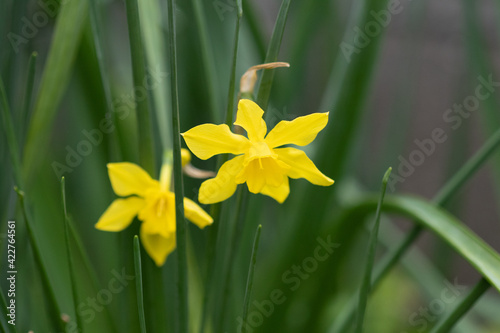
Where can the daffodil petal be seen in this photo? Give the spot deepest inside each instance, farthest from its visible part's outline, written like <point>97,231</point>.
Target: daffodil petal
<point>301,131</point>
<point>223,185</point>
<point>302,166</point>
<point>157,246</point>
<point>279,193</point>
<point>208,140</point>
<point>249,116</point>
<point>129,178</point>
<point>120,214</point>
<point>196,214</point>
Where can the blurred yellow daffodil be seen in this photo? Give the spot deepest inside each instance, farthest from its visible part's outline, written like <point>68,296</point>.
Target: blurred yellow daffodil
<point>259,162</point>
<point>153,203</point>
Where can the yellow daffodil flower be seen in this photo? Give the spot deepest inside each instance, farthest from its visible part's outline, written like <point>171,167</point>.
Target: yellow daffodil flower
<point>153,203</point>
<point>259,162</point>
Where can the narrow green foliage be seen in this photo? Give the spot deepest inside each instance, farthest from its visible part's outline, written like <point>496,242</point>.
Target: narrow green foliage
<point>10,135</point>
<point>146,156</point>
<point>138,283</point>
<point>372,247</point>
<point>207,56</point>
<point>215,209</point>
<point>460,309</point>
<point>251,272</point>
<point>266,81</point>
<point>182,274</point>
<point>468,169</point>
<point>71,266</point>
<point>54,308</point>
<point>55,78</point>
<point>28,95</point>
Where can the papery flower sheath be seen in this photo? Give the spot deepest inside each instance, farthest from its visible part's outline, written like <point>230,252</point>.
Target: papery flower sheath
<point>153,203</point>
<point>259,163</point>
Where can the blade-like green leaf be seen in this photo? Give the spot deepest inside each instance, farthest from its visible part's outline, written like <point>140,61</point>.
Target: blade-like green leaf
<point>465,242</point>
<point>146,155</point>
<point>182,274</point>
<point>366,283</point>
<point>446,324</point>
<point>55,78</point>
<point>138,283</point>
<point>251,272</point>
<point>73,279</point>
<point>267,78</point>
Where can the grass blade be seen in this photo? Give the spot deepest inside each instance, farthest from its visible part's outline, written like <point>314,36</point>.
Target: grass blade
<point>366,283</point>
<point>215,209</point>
<point>251,271</point>
<point>182,278</point>
<point>207,56</point>
<point>266,81</point>
<point>155,51</point>
<point>54,309</point>
<point>465,242</point>
<point>446,324</point>
<point>138,283</point>
<point>28,96</point>
<point>73,280</point>
<point>55,78</point>
<point>10,135</point>
<point>146,156</point>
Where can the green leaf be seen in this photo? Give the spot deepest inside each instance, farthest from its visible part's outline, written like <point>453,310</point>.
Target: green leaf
<point>73,279</point>
<point>366,283</point>
<point>460,309</point>
<point>55,78</point>
<point>138,283</point>
<point>267,78</point>
<point>465,242</point>
<point>146,155</point>
<point>251,272</point>
<point>155,50</point>
<point>182,273</point>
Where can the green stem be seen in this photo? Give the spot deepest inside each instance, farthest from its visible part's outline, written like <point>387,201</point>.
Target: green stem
<point>139,74</point>
<point>251,271</point>
<point>215,209</point>
<point>207,58</point>
<point>446,324</point>
<point>272,55</point>
<point>73,281</point>
<point>366,283</point>
<point>28,95</point>
<point>54,309</point>
<point>241,212</point>
<point>10,135</point>
<point>182,287</point>
<point>138,283</point>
